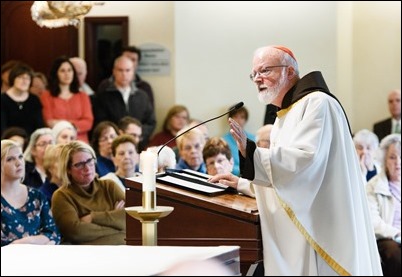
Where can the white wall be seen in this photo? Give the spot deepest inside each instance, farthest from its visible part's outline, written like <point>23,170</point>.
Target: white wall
<point>215,43</point>
<point>376,59</point>
<point>356,45</point>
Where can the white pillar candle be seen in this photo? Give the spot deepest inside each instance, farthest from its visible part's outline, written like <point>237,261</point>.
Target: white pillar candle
<point>148,167</point>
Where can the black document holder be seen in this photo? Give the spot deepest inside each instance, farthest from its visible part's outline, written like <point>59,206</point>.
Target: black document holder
<point>193,181</point>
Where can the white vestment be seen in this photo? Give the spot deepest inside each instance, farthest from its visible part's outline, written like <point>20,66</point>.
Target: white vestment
<point>311,197</point>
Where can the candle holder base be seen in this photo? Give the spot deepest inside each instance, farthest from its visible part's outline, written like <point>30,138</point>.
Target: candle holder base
<point>149,219</point>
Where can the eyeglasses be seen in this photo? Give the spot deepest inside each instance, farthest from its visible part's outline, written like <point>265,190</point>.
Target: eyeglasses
<point>81,165</point>
<point>264,72</point>
<point>43,143</point>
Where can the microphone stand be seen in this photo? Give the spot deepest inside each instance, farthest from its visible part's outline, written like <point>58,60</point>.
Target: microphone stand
<point>235,107</point>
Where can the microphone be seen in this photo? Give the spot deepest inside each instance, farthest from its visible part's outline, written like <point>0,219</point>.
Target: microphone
<point>233,108</point>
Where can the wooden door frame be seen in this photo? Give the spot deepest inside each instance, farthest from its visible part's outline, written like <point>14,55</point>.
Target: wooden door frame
<point>90,30</point>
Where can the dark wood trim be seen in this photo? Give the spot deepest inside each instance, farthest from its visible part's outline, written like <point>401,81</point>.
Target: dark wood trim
<point>90,33</point>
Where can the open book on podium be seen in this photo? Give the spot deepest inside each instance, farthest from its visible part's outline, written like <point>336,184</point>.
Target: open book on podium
<point>190,180</point>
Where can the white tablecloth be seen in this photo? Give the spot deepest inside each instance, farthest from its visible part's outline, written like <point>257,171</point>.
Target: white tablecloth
<point>124,260</point>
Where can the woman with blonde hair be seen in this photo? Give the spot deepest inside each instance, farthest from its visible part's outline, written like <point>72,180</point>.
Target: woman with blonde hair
<point>25,213</point>
<point>51,166</point>
<point>86,209</point>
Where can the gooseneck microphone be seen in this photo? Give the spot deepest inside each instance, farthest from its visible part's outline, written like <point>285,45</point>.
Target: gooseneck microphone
<point>233,108</point>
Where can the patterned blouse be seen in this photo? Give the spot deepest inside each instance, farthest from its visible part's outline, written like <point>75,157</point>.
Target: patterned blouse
<point>33,218</point>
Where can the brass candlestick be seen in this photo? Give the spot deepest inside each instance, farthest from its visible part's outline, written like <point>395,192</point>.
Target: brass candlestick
<point>149,214</point>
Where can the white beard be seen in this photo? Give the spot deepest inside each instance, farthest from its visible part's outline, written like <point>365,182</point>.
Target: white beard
<point>268,95</point>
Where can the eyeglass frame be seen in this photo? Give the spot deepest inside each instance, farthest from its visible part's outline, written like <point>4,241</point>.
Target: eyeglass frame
<point>81,165</point>
<point>264,72</point>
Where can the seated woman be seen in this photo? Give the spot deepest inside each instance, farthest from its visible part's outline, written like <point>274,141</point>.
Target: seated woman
<point>384,198</point>
<point>190,147</point>
<point>366,144</point>
<point>64,132</point>
<point>35,175</point>
<point>103,135</point>
<point>17,134</point>
<point>263,136</point>
<point>25,213</point>
<point>39,84</point>
<point>87,210</point>
<point>219,161</point>
<point>240,116</point>
<point>125,159</point>
<point>51,166</point>
<point>166,157</point>
<point>176,118</point>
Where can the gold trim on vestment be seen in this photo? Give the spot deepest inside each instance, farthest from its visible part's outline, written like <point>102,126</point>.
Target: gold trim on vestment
<point>326,257</point>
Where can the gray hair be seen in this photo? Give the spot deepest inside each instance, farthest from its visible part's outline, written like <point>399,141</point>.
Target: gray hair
<point>166,158</point>
<point>263,131</point>
<point>60,126</point>
<point>286,59</point>
<point>32,141</point>
<point>193,133</point>
<point>393,139</point>
<point>366,136</point>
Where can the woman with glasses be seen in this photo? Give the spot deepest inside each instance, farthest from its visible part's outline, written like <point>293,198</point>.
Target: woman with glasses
<point>103,135</point>
<point>25,213</point>
<point>35,175</point>
<point>87,210</point>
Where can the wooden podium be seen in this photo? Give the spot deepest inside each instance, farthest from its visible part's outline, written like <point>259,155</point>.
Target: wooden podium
<point>200,220</point>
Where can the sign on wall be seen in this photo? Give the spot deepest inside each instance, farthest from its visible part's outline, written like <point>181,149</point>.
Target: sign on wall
<point>155,60</point>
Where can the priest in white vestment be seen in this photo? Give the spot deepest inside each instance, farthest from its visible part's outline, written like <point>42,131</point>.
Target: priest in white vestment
<point>308,185</point>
